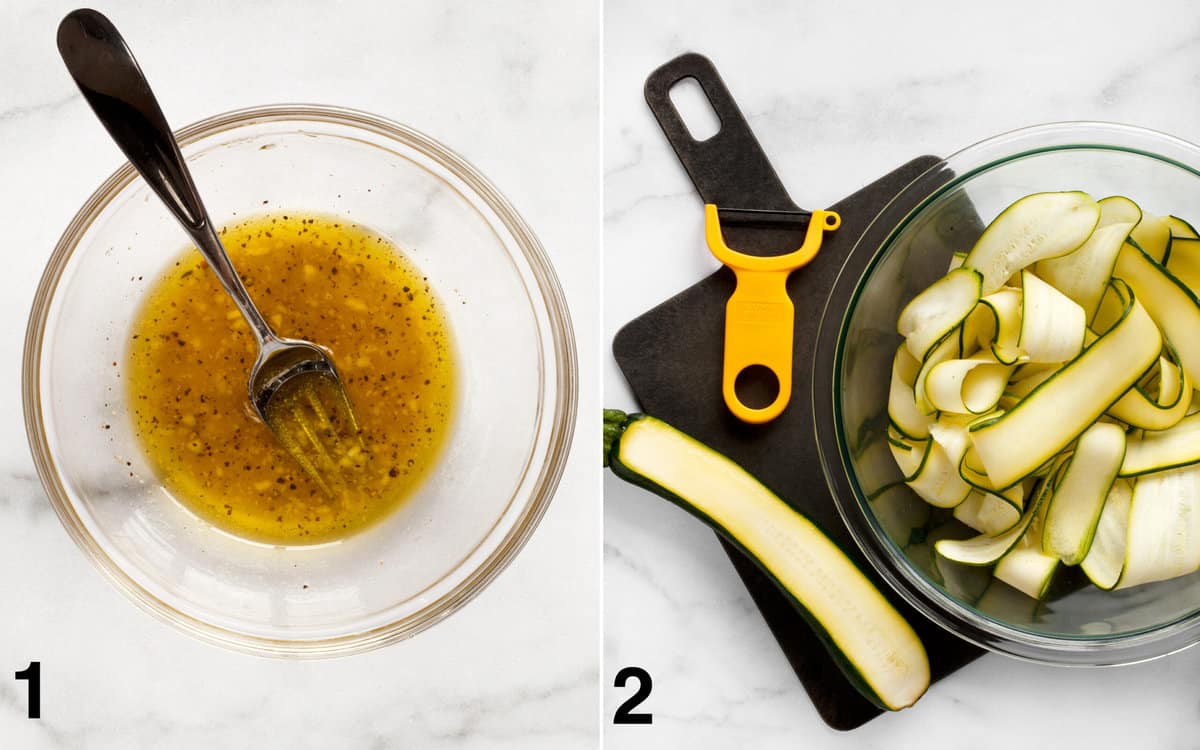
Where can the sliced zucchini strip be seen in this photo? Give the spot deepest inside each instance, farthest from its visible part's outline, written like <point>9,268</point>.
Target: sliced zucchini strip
<point>1106,558</point>
<point>1052,324</point>
<point>1171,304</point>
<point>938,480</point>
<point>1162,450</point>
<point>1038,226</point>
<point>1083,275</point>
<point>1164,527</point>
<point>871,640</point>
<point>938,310</point>
<point>1117,209</point>
<point>987,513</point>
<point>1174,397</point>
<point>966,386</point>
<point>902,401</point>
<point>1180,229</point>
<point>1184,263</point>
<point>1030,377</point>
<point>1074,509</point>
<point>1153,235</point>
<point>910,455</point>
<point>987,549</point>
<point>946,349</point>
<point>1002,333</point>
<point>1026,567</point>
<point>1060,409</point>
<point>903,409</point>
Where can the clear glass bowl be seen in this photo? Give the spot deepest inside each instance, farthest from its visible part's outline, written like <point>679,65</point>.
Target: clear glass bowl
<point>903,250</point>
<point>514,412</point>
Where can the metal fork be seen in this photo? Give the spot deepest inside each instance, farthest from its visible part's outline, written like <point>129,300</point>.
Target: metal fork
<point>294,385</point>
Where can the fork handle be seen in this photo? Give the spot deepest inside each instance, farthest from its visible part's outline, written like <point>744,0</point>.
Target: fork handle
<point>105,70</point>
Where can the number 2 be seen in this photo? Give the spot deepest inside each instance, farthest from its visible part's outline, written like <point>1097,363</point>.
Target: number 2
<point>33,674</point>
<point>624,714</point>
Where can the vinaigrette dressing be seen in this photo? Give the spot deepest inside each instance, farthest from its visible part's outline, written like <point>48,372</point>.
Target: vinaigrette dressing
<point>315,278</point>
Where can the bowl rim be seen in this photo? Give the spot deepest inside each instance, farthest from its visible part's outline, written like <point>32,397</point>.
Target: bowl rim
<point>560,426</point>
<point>914,588</point>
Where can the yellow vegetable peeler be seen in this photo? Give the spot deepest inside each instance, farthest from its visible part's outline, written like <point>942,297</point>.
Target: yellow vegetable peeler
<point>759,316</point>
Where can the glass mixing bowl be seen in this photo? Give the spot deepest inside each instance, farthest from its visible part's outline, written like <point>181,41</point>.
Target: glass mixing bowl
<point>903,250</point>
<point>514,411</point>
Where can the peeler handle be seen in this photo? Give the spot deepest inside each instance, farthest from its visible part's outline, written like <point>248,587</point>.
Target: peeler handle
<point>760,317</point>
<point>729,169</point>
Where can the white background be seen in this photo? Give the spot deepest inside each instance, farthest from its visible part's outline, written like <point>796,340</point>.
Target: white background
<point>513,88</point>
<point>839,94</point>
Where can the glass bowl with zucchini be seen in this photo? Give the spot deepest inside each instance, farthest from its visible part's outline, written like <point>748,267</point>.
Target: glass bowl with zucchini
<point>1005,400</point>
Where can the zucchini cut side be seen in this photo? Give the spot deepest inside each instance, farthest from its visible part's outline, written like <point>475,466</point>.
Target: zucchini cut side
<point>873,643</point>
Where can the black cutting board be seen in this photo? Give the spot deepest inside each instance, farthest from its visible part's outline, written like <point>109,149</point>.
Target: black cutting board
<point>672,358</point>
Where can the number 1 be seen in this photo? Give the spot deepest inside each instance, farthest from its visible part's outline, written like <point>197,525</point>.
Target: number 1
<point>33,674</point>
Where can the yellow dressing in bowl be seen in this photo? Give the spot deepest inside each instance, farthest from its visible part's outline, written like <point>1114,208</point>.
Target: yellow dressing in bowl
<point>317,278</point>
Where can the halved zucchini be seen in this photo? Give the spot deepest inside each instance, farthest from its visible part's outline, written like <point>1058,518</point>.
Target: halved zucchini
<point>870,640</point>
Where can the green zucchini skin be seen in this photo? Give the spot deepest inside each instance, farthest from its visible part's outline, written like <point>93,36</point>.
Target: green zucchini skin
<point>615,423</point>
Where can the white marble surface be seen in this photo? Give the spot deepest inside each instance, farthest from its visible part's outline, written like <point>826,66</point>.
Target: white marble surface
<point>513,87</point>
<point>838,94</point>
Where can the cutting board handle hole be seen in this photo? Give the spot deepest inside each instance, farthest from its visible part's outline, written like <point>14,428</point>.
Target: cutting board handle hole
<point>694,108</point>
<point>756,386</point>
